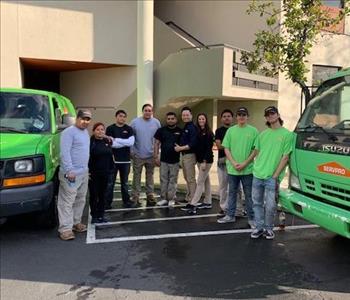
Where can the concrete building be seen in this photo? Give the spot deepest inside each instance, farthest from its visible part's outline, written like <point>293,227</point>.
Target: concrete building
<point>121,54</point>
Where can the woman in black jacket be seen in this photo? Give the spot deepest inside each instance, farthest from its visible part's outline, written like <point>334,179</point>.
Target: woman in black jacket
<point>204,155</point>
<point>101,169</point>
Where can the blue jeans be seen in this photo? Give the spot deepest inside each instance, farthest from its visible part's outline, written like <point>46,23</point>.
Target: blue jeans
<point>233,186</point>
<point>264,202</point>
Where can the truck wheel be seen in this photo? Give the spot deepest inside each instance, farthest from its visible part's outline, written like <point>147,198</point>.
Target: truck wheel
<point>48,218</point>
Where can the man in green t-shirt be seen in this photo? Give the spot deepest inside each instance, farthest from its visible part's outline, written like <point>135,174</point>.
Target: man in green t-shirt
<point>239,149</point>
<point>272,148</point>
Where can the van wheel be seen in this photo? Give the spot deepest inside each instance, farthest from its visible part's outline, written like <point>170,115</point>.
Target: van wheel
<point>48,218</point>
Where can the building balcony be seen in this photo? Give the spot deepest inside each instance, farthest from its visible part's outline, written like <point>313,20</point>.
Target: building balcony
<point>209,72</point>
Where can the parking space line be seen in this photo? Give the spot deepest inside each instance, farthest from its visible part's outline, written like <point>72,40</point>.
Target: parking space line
<point>156,220</point>
<point>141,197</point>
<point>189,234</point>
<point>91,231</point>
<point>145,207</point>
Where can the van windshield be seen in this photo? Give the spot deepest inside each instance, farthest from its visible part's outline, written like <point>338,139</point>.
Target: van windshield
<point>24,113</point>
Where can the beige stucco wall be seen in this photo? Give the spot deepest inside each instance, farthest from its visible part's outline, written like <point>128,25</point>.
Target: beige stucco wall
<point>10,75</point>
<point>213,22</point>
<point>96,31</point>
<point>103,90</point>
<point>331,50</point>
<point>255,108</point>
<point>189,73</point>
<point>86,31</point>
<point>165,42</point>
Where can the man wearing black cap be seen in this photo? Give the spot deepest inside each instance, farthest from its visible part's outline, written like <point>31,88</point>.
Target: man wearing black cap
<point>239,149</point>
<point>73,175</point>
<point>272,148</point>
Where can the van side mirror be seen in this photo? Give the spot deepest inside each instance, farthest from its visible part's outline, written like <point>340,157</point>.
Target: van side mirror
<point>67,120</point>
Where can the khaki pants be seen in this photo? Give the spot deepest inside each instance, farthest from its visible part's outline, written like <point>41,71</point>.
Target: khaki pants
<point>189,171</point>
<point>71,201</point>
<point>168,180</point>
<point>137,165</point>
<point>203,185</point>
<point>223,186</point>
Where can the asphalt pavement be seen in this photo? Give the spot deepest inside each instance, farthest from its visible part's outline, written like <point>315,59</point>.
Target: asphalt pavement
<point>163,253</point>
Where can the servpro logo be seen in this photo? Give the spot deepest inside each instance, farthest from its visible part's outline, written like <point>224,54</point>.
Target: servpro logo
<point>334,168</point>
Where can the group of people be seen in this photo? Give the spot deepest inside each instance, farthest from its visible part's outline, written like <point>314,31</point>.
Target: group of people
<point>246,158</point>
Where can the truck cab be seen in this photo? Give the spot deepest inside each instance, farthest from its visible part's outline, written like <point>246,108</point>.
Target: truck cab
<point>319,182</point>
<point>30,128</point>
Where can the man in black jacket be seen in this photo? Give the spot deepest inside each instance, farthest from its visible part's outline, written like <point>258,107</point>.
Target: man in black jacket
<point>187,148</point>
<point>123,139</point>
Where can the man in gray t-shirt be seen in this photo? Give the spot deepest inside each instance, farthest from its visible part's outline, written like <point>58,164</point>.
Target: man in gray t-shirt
<point>142,152</point>
<point>73,176</point>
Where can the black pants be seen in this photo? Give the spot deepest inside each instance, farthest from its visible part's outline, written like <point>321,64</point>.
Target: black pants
<point>124,170</point>
<point>97,187</point>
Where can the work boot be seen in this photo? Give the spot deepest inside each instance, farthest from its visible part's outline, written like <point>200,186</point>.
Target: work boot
<point>80,227</point>
<point>67,235</point>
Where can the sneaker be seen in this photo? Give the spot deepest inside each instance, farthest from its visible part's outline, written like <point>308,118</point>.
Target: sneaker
<point>251,223</point>
<point>204,206</point>
<point>269,234</point>
<point>256,233</point>
<point>241,214</point>
<point>162,202</point>
<point>102,220</point>
<point>80,227</point>
<point>227,219</point>
<point>67,235</point>
<point>172,203</point>
<point>151,201</point>
<point>221,214</point>
<point>187,207</point>
<point>192,211</point>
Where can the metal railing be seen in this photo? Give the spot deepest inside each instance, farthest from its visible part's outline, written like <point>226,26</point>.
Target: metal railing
<point>179,28</point>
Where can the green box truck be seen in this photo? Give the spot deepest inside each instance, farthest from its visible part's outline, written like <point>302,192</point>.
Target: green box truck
<point>30,125</point>
<point>319,181</point>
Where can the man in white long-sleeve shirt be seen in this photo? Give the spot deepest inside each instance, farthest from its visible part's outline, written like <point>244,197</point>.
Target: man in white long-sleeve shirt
<point>73,176</point>
<point>123,139</point>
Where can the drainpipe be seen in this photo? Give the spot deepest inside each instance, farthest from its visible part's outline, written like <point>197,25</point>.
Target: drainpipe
<point>144,53</point>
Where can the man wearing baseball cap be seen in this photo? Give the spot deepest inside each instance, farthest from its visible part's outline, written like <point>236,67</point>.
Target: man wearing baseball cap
<point>239,149</point>
<point>73,175</point>
<point>272,148</point>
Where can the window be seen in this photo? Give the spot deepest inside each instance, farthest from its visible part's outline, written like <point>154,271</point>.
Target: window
<point>321,73</point>
<point>333,3</point>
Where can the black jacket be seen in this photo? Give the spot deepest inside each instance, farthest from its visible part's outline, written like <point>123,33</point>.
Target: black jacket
<point>204,149</point>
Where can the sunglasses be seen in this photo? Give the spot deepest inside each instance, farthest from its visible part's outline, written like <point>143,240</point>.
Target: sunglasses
<point>241,114</point>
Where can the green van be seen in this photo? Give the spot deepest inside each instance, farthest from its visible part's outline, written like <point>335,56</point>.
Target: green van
<point>30,125</point>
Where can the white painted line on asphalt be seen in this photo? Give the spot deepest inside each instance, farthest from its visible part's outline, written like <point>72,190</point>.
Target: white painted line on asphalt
<point>145,207</point>
<point>141,197</point>
<point>91,231</point>
<point>156,220</point>
<point>190,234</point>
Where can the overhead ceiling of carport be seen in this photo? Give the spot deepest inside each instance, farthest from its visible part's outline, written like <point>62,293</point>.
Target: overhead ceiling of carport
<point>62,65</point>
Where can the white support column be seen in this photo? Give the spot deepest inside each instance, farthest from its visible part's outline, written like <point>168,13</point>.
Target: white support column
<point>144,53</point>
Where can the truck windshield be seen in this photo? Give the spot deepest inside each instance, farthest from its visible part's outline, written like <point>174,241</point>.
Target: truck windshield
<point>329,111</point>
<point>24,113</point>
